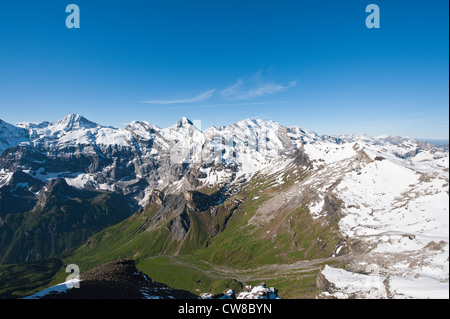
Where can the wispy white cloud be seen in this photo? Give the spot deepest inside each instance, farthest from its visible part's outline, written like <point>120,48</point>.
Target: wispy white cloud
<point>246,88</point>
<point>234,89</point>
<point>198,106</point>
<point>199,98</point>
<point>264,89</point>
<point>254,87</point>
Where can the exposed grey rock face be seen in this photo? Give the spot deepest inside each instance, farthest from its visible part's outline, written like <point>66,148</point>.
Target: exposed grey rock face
<point>11,135</point>
<point>141,157</point>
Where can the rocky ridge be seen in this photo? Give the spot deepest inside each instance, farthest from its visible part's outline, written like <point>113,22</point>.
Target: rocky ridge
<point>386,197</point>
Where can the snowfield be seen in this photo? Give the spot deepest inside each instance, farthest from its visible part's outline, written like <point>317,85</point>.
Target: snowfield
<point>398,210</point>
<point>63,287</point>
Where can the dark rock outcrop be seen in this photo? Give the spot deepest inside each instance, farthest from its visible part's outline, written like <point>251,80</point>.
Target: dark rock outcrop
<point>119,279</point>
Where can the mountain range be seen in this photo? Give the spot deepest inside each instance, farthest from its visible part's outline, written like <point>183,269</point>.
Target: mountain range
<point>316,215</point>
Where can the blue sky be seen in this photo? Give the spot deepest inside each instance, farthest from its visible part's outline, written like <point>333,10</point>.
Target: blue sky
<point>310,63</point>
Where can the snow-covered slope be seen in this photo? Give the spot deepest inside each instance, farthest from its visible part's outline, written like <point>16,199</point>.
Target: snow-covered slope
<point>396,210</point>
<point>393,191</point>
<point>95,156</point>
<point>10,135</point>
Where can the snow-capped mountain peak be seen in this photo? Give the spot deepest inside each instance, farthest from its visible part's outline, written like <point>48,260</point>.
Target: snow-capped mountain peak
<point>74,122</point>
<point>183,122</point>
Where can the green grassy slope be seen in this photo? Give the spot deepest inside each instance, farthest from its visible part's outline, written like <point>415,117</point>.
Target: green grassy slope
<point>221,236</point>
<point>21,280</point>
<point>58,224</point>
